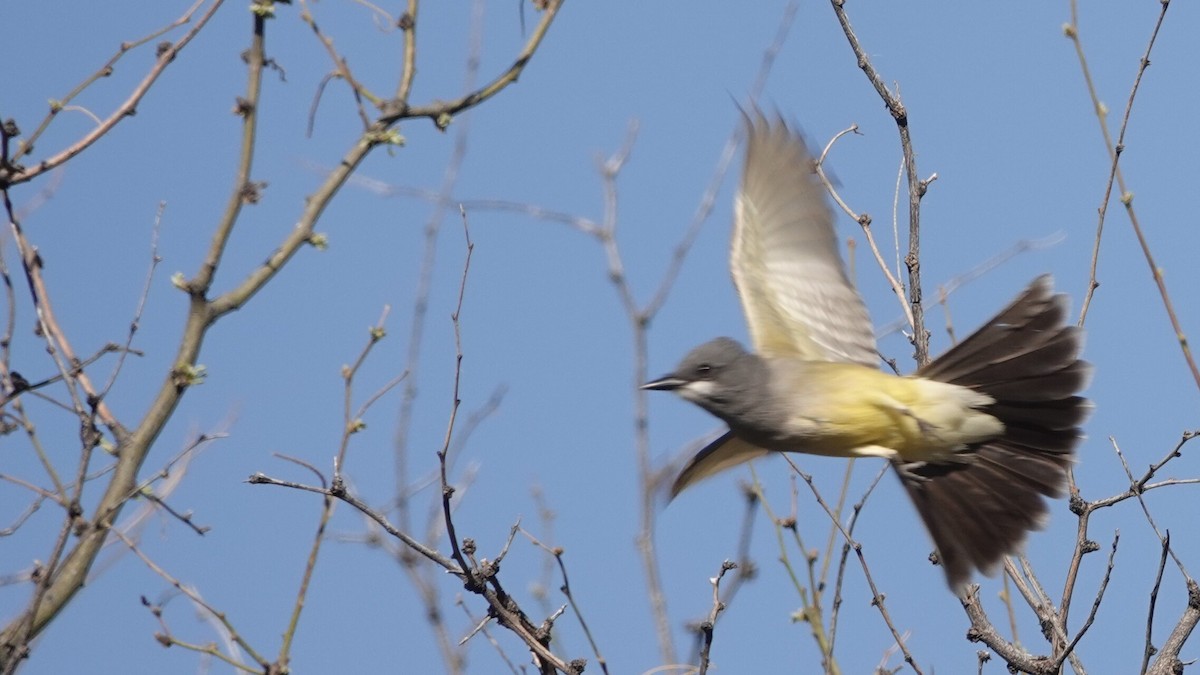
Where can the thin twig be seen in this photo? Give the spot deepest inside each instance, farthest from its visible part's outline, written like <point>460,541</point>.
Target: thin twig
<point>447,490</point>
<point>442,112</point>
<point>839,583</point>
<point>12,174</point>
<point>877,598</point>
<point>136,322</point>
<point>340,65</point>
<point>955,283</point>
<point>810,596</point>
<point>1167,661</point>
<point>710,625</point>
<point>433,226</point>
<point>1095,604</point>
<point>557,552</point>
<point>264,665</point>
<point>916,187</point>
<point>864,221</point>
<point>1148,650</point>
<point>482,628</point>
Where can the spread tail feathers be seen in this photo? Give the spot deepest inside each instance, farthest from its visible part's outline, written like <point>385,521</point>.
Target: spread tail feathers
<point>979,505</point>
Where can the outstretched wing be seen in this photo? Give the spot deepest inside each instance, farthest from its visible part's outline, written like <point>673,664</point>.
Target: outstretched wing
<point>723,453</point>
<point>785,260</point>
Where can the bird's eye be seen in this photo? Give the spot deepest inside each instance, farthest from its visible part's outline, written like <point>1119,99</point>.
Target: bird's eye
<point>704,371</point>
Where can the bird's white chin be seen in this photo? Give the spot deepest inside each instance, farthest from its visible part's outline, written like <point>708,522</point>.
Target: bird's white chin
<point>697,392</point>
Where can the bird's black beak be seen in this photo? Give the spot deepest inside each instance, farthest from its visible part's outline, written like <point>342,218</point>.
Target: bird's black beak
<point>665,383</point>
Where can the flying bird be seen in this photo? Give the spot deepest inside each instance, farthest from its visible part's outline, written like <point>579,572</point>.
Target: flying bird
<point>979,437</point>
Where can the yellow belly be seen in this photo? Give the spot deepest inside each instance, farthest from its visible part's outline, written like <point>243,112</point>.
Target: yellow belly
<point>850,410</point>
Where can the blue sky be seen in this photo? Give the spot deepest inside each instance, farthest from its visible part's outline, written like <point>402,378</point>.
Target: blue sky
<point>998,110</point>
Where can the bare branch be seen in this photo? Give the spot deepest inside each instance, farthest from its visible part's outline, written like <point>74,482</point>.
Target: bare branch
<point>877,598</point>
<point>12,174</point>
<point>717,607</point>
<point>916,186</point>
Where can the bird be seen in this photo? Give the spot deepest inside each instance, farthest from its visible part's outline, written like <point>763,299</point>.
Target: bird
<point>980,437</point>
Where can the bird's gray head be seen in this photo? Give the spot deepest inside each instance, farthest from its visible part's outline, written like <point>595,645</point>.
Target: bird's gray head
<point>719,376</point>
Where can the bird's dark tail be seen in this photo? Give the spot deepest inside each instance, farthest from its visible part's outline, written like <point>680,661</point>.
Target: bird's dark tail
<point>979,505</point>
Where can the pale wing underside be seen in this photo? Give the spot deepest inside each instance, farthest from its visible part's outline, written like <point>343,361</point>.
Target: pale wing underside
<point>723,453</point>
<point>785,259</point>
